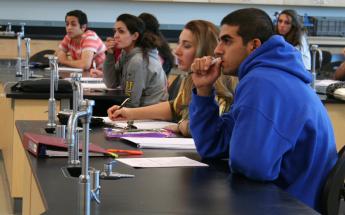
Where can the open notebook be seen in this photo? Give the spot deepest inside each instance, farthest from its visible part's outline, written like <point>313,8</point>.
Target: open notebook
<point>140,124</point>
<point>148,134</point>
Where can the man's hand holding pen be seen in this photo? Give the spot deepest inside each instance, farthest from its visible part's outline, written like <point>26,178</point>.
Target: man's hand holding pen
<point>205,72</point>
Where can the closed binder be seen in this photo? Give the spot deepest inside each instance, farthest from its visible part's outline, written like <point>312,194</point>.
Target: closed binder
<point>50,146</point>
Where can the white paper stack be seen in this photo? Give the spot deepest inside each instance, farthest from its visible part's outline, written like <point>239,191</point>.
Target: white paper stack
<point>162,143</point>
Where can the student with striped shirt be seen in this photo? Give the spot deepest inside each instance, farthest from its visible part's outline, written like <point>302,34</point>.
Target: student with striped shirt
<point>85,48</point>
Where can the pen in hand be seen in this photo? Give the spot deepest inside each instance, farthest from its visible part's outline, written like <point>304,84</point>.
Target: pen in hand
<point>214,60</point>
<point>123,103</point>
<point>115,108</point>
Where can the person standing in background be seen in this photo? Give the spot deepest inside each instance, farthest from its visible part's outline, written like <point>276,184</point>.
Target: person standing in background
<point>85,48</point>
<point>290,27</point>
<point>138,71</point>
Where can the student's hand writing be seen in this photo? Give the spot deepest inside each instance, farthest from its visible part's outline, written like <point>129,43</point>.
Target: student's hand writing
<point>205,71</point>
<point>118,113</point>
<point>96,73</point>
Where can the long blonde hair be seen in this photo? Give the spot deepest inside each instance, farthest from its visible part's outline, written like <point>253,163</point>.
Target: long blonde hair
<point>205,40</point>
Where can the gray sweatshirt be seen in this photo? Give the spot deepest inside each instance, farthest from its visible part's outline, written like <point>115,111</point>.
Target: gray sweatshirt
<point>145,83</point>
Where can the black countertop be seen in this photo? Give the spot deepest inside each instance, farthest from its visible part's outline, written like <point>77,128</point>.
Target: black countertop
<point>206,190</point>
<point>103,98</point>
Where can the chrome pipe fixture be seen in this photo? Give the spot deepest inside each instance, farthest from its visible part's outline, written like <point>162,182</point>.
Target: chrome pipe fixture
<point>77,90</point>
<point>8,32</point>
<point>72,132</point>
<point>20,36</point>
<point>315,49</point>
<point>85,115</point>
<point>27,74</point>
<point>54,77</point>
<point>19,55</point>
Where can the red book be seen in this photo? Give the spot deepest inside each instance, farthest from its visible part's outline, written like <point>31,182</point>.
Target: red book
<point>50,146</point>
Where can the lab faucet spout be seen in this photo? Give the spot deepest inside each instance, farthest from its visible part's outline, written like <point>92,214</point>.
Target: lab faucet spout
<point>73,138</point>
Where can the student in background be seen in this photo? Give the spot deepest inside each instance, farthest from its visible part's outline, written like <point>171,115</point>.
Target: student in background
<point>85,48</point>
<point>340,72</point>
<point>192,43</point>
<point>290,27</point>
<point>152,25</point>
<point>139,71</point>
<point>277,129</point>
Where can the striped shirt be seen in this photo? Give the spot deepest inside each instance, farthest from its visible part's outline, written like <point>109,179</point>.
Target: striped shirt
<point>89,42</point>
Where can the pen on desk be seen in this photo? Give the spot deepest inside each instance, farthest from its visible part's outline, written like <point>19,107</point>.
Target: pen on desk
<point>127,152</point>
<point>214,60</point>
<point>113,154</point>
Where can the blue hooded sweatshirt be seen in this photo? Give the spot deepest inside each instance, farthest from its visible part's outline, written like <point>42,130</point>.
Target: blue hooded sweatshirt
<point>277,129</point>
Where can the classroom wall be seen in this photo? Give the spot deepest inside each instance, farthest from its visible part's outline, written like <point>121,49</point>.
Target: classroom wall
<point>105,11</point>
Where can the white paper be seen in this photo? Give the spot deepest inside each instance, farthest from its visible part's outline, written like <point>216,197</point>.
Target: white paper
<point>140,124</point>
<point>88,80</point>
<point>162,143</point>
<point>321,85</point>
<point>86,86</point>
<point>325,82</point>
<point>70,69</point>
<point>53,153</point>
<point>161,162</point>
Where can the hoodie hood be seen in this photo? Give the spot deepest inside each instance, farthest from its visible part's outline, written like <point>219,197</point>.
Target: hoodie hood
<point>152,53</point>
<point>278,54</point>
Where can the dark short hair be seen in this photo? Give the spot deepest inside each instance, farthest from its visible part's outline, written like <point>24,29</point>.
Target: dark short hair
<point>82,18</point>
<point>252,23</point>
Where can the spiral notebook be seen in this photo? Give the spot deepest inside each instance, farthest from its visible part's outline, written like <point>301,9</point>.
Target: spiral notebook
<point>111,133</point>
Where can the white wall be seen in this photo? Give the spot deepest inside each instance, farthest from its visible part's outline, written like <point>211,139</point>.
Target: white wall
<point>105,11</point>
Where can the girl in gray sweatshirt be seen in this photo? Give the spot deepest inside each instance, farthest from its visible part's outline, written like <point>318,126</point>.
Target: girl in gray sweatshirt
<point>139,71</point>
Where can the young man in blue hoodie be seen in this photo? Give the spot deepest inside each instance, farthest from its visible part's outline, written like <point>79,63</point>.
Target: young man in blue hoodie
<point>277,129</point>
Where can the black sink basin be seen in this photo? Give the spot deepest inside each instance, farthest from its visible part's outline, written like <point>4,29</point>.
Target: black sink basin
<point>71,172</point>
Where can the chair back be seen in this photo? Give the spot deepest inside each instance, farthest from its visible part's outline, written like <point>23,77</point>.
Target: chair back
<point>333,191</point>
<point>41,56</point>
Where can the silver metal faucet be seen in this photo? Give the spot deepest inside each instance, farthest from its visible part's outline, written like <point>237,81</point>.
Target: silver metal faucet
<point>77,90</point>
<point>85,114</point>
<point>19,55</point>
<point>314,49</point>
<point>20,36</point>
<point>27,73</point>
<point>54,77</point>
<point>8,32</point>
<point>72,133</point>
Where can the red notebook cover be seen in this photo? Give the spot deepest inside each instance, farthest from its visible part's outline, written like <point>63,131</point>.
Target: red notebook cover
<point>39,145</point>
